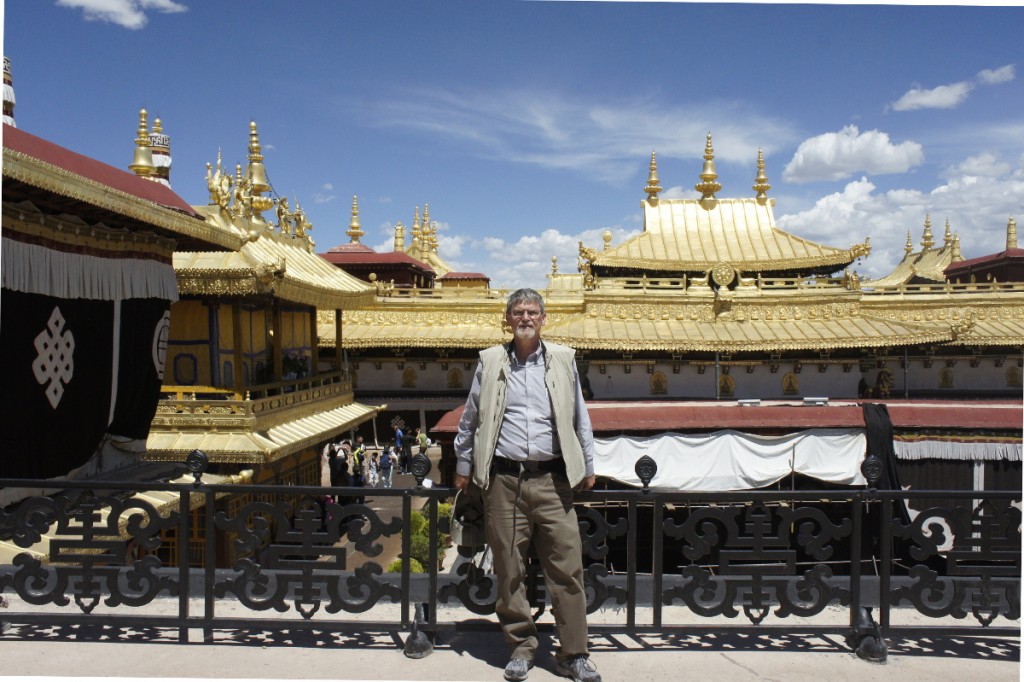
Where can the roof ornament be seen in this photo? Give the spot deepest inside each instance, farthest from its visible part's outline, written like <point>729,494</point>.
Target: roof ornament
<point>554,265</point>
<point>257,173</point>
<point>1011,234</point>
<point>708,185</point>
<point>947,238</point>
<point>909,248</point>
<point>219,184</point>
<point>160,144</point>
<point>585,265</point>
<point>355,230</point>
<point>416,230</point>
<point>956,255</point>
<point>607,237</point>
<point>653,186</point>
<point>142,163</point>
<point>400,234</point>
<point>9,100</point>
<point>761,185</point>
<point>927,241</point>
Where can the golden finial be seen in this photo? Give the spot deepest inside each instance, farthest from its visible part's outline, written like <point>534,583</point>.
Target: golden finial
<point>909,248</point>
<point>653,186</point>
<point>432,241</point>
<point>399,236</point>
<point>142,163</point>
<point>554,265</point>
<point>956,255</point>
<point>708,185</point>
<point>761,185</point>
<point>607,237</point>
<point>355,231</point>
<point>947,238</point>
<point>417,230</point>
<point>1011,234</point>
<point>426,216</point>
<point>257,173</point>
<point>926,239</point>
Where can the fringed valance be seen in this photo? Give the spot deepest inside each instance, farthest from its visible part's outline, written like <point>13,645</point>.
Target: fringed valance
<point>967,451</point>
<point>36,269</point>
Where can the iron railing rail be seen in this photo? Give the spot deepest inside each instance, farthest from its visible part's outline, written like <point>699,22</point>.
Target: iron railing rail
<point>314,558</point>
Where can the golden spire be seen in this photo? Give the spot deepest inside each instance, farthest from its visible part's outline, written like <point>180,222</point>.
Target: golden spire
<point>948,236</point>
<point>956,255</point>
<point>653,186</point>
<point>416,229</point>
<point>926,239</point>
<point>708,185</point>
<point>142,163</point>
<point>761,185</point>
<point>400,236</point>
<point>1011,234</point>
<point>432,238</point>
<point>257,173</point>
<point>355,231</point>
<point>909,248</point>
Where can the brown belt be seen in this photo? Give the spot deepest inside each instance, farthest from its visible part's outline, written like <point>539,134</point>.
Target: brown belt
<point>504,465</point>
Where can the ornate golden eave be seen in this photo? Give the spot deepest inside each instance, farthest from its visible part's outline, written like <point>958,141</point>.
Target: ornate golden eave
<point>59,181</point>
<point>271,265</point>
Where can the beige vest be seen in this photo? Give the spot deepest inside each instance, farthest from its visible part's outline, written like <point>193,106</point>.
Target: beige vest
<point>559,376</point>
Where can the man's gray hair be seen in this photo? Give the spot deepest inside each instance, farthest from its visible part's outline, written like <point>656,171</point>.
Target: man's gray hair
<point>523,296</point>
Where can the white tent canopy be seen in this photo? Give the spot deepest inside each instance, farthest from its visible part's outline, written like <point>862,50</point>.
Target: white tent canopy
<point>732,460</point>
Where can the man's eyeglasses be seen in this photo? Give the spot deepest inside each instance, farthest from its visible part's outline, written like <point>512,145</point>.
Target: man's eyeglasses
<point>532,314</point>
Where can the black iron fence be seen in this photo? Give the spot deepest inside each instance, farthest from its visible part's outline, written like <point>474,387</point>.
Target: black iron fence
<point>205,557</point>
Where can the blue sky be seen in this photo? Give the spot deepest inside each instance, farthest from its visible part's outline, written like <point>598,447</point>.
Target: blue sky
<point>527,126</point>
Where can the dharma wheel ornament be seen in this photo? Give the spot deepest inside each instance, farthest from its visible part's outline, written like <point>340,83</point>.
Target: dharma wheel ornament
<point>723,274</point>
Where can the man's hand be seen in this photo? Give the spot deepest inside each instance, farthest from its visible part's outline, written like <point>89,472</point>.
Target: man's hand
<point>588,482</point>
<point>462,481</point>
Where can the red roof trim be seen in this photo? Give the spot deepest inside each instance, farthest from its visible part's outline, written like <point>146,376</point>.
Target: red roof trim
<point>465,275</point>
<point>19,141</point>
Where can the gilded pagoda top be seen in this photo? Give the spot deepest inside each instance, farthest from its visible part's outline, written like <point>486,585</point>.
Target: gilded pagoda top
<point>698,235</point>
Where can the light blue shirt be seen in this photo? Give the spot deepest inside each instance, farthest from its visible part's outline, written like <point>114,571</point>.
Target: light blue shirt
<point>528,425</point>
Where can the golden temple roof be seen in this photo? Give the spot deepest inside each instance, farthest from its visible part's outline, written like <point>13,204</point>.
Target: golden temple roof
<point>927,264</point>
<point>656,334</point>
<point>273,263</point>
<point>694,235</point>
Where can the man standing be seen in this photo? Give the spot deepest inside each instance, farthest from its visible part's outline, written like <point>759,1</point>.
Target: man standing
<point>525,439</point>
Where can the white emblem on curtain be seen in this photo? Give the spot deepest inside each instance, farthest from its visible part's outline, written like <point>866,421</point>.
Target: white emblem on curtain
<point>54,365</point>
<point>160,334</point>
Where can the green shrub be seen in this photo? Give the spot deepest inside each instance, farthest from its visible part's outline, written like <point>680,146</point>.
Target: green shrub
<point>396,566</point>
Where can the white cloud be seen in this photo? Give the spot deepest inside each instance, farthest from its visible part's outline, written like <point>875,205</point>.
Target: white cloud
<point>837,156</point>
<point>986,164</point>
<point>600,140</point>
<point>1003,74</point>
<point>977,199</point>
<point>532,255</point>
<point>327,186</point>
<point>951,95</point>
<point>127,13</point>
<point>941,97</point>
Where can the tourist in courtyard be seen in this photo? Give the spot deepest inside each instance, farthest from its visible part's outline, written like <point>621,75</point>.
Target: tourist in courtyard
<point>526,441</point>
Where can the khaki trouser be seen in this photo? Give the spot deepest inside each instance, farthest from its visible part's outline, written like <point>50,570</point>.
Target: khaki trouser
<point>538,508</point>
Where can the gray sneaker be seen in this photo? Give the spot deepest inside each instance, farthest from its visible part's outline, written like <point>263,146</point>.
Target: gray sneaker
<point>517,669</point>
<point>579,668</point>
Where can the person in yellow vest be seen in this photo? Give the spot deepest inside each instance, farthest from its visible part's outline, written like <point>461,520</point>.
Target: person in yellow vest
<point>526,441</point>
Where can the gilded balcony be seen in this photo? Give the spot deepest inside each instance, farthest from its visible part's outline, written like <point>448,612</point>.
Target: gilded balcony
<point>266,423</point>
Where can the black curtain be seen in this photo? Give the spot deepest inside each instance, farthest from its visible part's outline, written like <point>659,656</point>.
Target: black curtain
<point>145,323</point>
<point>58,374</point>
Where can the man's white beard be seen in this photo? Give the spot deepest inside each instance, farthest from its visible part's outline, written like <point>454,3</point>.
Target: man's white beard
<point>526,333</point>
